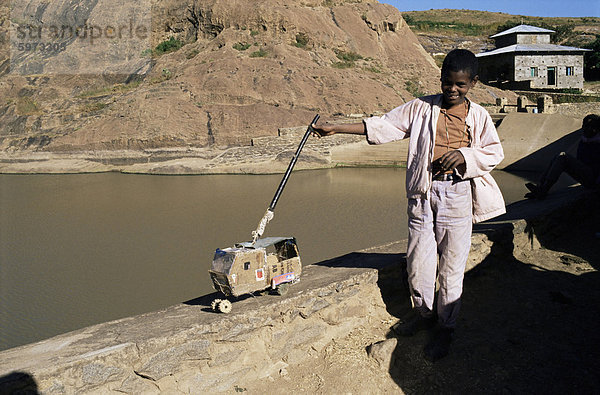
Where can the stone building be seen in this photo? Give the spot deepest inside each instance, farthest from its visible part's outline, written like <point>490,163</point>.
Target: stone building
<point>524,58</point>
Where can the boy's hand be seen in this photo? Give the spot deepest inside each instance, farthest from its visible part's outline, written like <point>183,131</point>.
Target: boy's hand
<point>451,160</point>
<point>322,130</point>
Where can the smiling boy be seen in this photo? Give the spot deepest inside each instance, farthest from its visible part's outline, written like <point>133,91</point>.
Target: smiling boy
<point>453,146</point>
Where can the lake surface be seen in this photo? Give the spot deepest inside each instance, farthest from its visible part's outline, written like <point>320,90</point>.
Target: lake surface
<point>77,250</point>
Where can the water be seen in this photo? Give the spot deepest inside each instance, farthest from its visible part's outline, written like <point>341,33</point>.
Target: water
<point>77,250</point>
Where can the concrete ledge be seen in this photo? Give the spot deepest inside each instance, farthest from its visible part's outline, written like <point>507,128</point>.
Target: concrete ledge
<point>189,348</point>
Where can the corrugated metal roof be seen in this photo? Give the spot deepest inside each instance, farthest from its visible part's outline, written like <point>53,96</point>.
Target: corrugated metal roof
<point>523,29</point>
<point>531,48</point>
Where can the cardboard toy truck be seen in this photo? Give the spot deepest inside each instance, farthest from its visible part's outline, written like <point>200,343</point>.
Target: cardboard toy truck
<point>269,263</point>
<point>272,262</point>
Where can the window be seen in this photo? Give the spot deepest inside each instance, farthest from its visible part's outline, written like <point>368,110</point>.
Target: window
<point>246,265</point>
<point>533,71</point>
<point>569,70</point>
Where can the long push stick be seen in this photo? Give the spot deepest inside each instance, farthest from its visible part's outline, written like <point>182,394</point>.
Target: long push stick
<point>269,214</point>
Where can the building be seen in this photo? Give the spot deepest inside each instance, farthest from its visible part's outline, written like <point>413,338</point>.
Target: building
<point>524,58</point>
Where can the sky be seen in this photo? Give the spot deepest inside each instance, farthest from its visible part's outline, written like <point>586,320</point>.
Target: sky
<point>568,8</point>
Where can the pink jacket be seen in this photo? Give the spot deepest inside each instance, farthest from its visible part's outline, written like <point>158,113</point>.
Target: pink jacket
<point>417,120</point>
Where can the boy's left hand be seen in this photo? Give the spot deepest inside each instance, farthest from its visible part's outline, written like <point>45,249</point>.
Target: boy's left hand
<point>451,160</point>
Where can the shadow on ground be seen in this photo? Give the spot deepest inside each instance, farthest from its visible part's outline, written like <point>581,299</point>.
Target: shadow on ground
<point>19,383</point>
<point>538,160</point>
<point>529,321</point>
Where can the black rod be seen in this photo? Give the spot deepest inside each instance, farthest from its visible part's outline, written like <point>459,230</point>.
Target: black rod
<point>309,130</point>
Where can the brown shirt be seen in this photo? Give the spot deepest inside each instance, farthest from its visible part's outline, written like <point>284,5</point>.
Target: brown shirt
<point>451,131</point>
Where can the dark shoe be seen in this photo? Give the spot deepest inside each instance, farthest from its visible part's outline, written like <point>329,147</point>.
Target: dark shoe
<point>439,345</point>
<point>532,187</point>
<point>412,323</point>
<point>536,192</point>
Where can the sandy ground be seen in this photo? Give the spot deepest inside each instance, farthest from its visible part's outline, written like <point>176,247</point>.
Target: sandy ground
<point>529,324</point>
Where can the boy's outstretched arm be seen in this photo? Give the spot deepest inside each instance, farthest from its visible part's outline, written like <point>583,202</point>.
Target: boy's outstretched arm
<point>327,129</point>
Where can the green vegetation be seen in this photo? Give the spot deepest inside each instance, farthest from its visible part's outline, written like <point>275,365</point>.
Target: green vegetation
<point>27,106</point>
<point>241,46</point>
<point>563,96</point>
<point>301,40</point>
<point>573,91</point>
<point>413,87</point>
<point>342,65</point>
<point>468,29</point>
<point>170,45</point>
<point>254,33</point>
<point>439,60</point>
<point>261,53</point>
<point>192,54</point>
<point>491,19</point>
<point>575,99</point>
<point>347,59</point>
<point>93,107</point>
<point>591,69</point>
<point>107,90</point>
<point>164,76</point>
<point>348,56</point>
<point>373,69</point>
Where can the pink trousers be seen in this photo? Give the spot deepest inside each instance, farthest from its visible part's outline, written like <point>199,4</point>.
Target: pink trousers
<point>439,229</point>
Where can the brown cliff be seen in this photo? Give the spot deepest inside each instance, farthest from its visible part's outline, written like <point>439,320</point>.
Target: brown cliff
<point>247,68</point>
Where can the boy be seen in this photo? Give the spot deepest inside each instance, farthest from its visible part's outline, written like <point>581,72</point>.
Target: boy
<point>453,145</point>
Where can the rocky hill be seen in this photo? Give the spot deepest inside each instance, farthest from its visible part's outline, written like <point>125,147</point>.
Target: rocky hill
<point>213,73</point>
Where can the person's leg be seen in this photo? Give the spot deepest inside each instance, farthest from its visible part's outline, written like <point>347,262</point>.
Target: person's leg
<point>579,171</point>
<point>548,178</point>
<point>421,257</point>
<point>453,228</point>
<point>562,162</point>
<point>454,224</point>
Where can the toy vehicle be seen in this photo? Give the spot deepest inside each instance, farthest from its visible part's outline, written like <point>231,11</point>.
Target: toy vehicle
<point>272,262</point>
<point>269,263</point>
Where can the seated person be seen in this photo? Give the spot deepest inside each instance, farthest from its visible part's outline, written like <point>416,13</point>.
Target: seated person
<point>584,168</point>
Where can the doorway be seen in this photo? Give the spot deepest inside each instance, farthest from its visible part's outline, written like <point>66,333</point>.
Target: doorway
<point>551,75</point>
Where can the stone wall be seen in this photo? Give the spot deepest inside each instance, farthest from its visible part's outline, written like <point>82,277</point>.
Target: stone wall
<point>542,63</point>
<point>191,349</point>
<point>514,71</point>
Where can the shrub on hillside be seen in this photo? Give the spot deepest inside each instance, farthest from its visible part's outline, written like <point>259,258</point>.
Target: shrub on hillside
<point>591,70</point>
<point>261,53</point>
<point>241,46</point>
<point>170,45</point>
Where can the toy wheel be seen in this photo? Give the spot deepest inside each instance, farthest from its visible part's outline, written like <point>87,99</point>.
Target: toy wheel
<point>214,304</point>
<point>225,306</point>
<point>282,289</point>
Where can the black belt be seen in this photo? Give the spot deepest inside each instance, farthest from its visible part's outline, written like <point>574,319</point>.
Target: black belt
<point>447,177</point>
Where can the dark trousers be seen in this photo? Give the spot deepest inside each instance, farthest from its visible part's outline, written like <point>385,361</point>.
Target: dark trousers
<point>566,163</point>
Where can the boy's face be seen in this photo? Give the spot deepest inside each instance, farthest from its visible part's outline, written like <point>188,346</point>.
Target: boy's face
<point>455,85</point>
